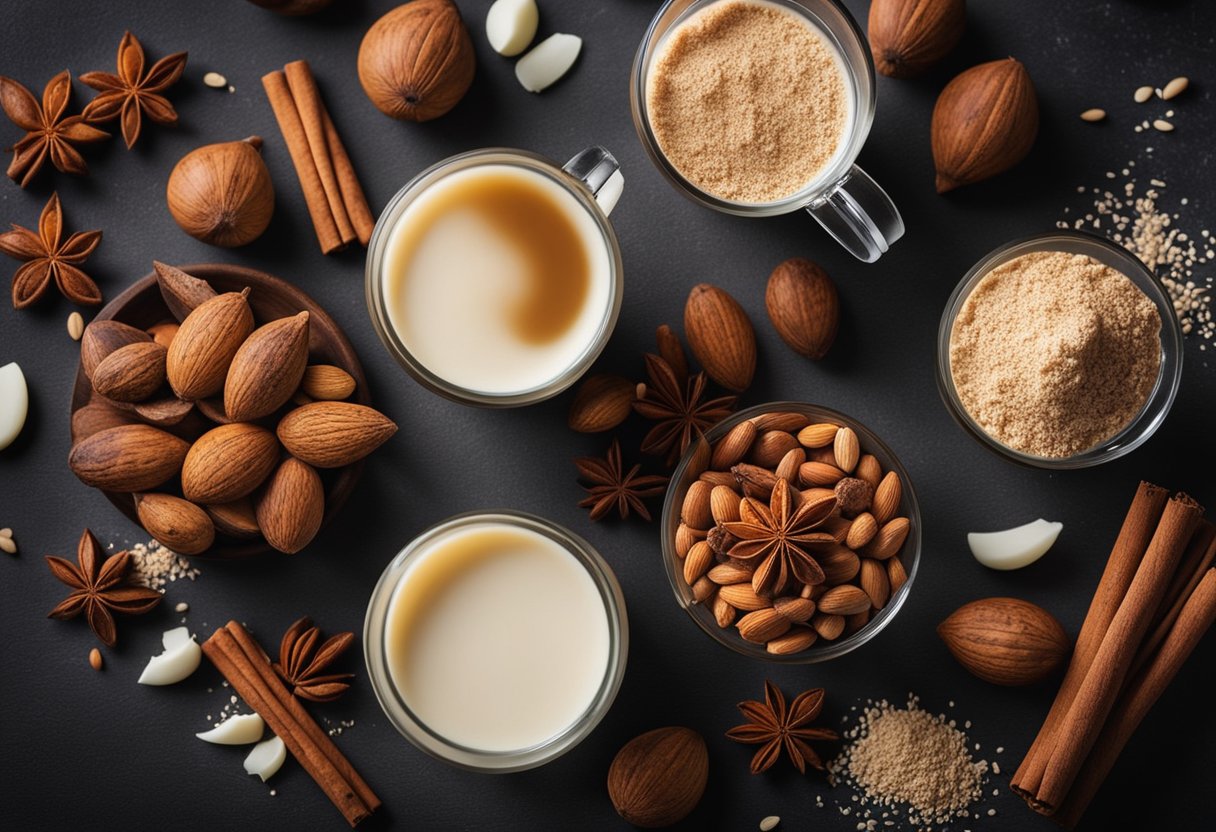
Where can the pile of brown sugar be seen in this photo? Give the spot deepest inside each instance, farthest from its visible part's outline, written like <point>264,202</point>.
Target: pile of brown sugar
<point>748,101</point>
<point>1053,353</point>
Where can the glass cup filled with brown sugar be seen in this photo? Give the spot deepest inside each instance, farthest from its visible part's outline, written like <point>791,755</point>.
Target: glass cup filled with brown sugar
<point>760,107</point>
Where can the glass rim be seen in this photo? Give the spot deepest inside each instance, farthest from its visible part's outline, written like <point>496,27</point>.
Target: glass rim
<point>466,757</point>
<point>1169,376</point>
<point>375,288</point>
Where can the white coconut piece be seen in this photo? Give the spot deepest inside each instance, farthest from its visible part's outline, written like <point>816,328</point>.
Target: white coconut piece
<point>511,25</point>
<point>1016,547</point>
<point>240,729</point>
<point>266,758</point>
<point>181,658</point>
<point>548,61</point>
<point>14,403</point>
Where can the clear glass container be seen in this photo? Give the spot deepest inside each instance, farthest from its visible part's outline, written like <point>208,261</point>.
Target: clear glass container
<point>691,466</point>
<point>1169,374</point>
<point>413,729</point>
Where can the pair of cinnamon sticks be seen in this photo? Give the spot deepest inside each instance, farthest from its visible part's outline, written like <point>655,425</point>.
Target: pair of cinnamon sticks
<point>336,204</point>
<point>247,668</point>
<point>1156,599</point>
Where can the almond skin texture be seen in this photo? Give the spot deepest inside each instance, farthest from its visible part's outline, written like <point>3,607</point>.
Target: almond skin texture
<point>333,434</point>
<point>182,292</point>
<point>721,337</point>
<point>235,519</point>
<point>131,373</point>
<point>290,508</point>
<point>95,417</point>
<point>658,778</point>
<point>267,369</point>
<point>909,36</point>
<point>327,383</point>
<point>178,524</point>
<point>601,403</point>
<point>1005,641</point>
<point>228,462</point>
<point>127,458</point>
<point>104,337</point>
<point>205,343</point>
<point>803,305</point>
<point>985,122</point>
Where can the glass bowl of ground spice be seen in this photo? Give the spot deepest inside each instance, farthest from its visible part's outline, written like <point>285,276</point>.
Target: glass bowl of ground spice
<point>1059,351</point>
<point>791,533</point>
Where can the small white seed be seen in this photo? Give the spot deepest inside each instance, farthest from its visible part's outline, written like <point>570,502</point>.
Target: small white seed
<point>769,823</point>
<point>1163,125</point>
<point>215,80</point>
<point>182,606</point>
<point>1093,114</point>
<point>1174,87</point>
<point>1143,94</point>
<point>75,326</point>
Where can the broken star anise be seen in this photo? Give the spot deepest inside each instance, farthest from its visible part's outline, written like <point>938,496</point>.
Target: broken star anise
<point>50,259</point>
<point>99,588</point>
<point>678,409</point>
<point>778,537</point>
<point>301,662</point>
<point>772,726</point>
<point>131,93</point>
<point>612,488</point>
<point>47,133</point>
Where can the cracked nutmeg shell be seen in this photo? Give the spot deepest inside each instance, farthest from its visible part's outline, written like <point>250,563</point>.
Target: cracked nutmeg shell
<point>417,61</point>
<point>985,122</point>
<point>1005,641</point>
<point>658,778</point>
<point>909,36</point>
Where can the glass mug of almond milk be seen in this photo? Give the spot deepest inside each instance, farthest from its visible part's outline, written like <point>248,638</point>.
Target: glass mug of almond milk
<point>494,277</point>
<point>496,641</point>
<point>760,107</point>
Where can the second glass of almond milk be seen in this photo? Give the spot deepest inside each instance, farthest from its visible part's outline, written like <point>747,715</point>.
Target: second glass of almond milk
<point>494,277</point>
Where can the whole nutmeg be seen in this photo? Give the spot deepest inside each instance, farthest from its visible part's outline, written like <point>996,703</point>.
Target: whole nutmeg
<point>985,122</point>
<point>720,335</point>
<point>659,777</point>
<point>1005,641</point>
<point>803,305</point>
<point>909,36</point>
<point>417,62</point>
<point>222,194</point>
<point>853,495</point>
<point>293,8</point>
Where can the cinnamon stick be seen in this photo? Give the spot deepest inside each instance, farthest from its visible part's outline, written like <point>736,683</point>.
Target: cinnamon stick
<point>352,192</point>
<point>1126,554</point>
<point>1195,617</point>
<point>1098,691</point>
<point>292,128</point>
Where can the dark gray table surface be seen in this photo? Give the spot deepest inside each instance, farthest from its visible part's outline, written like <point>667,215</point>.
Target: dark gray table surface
<point>95,750</point>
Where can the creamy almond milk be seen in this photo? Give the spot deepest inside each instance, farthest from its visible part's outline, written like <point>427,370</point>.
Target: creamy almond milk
<point>497,638</point>
<point>496,278</point>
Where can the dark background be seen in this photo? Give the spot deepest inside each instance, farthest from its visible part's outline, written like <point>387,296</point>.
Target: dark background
<point>96,750</point>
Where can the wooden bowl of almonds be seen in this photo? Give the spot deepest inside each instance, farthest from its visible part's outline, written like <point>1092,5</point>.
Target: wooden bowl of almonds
<point>222,410</point>
<point>791,533</point>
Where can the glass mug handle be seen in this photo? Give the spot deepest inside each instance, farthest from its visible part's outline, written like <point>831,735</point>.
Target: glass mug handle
<point>859,214</point>
<point>600,173</point>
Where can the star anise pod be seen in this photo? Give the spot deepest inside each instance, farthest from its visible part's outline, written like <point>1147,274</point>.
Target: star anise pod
<point>612,487</point>
<point>779,538</point>
<point>47,132</point>
<point>132,92</point>
<point>99,588</point>
<point>678,409</point>
<point>48,258</point>
<point>772,726</point>
<point>301,662</point>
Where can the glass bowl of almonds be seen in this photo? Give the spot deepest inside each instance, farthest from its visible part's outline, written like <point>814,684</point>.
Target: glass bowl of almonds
<point>791,533</point>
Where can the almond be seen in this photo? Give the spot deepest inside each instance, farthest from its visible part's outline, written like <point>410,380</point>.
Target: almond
<point>794,641</point>
<point>228,462</point>
<point>658,778</point>
<point>854,622</point>
<point>828,626</point>
<point>104,337</point>
<point>763,625</point>
<point>290,508</point>
<point>671,351</point>
<point>720,336</point>
<point>719,478</point>
<point>686,536</point>
<point>869,469</point>
<point>741,596</point>
<point>780,420</point>
<point>601,403</point>
<point>1005,641</point>
<point>97,416</point>
<point>819,435</point>
<point>182,292</point>
<point>164,333</point>
<point>862,530</point>
<point>896,574</point>
<point>909,36</point>
<point>131,373</point>
<point>724,613</point>
<point>703,589</point>
<point>730,573</point>
<point>723,504</point>
<point>845,599</point>
<point>267,368</point>
<point>732,447</point>
<point>887,496</point>
<point>846,449</point>
<point>771,446</point>
<point>874,582</point>
<point>700,558</point>
<point>163,411</point>
<point>205,343</point>
<point>803,305</point>
<point>839,564</point>
<point>889,540</point>
<point>326,382</point>
<point>820,474</point>
<point>178,524</point>
<point>235,519</point>
<point>127,458</point>
<point>797,610</point>
<point>333,434</point>
<point>789,466</point>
